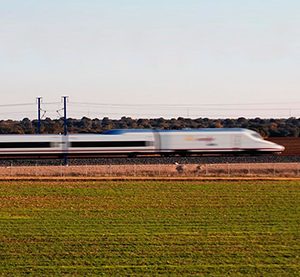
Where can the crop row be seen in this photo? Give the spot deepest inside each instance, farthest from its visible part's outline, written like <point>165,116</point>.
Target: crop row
<point>149,228</point>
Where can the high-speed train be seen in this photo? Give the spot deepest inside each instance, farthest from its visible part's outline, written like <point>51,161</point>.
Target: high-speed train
<point>134,142</point>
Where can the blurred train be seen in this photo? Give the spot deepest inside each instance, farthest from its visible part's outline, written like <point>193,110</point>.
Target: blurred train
<point>134,142</point>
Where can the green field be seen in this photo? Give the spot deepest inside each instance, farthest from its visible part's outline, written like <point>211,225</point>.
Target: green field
<point>136,228</point>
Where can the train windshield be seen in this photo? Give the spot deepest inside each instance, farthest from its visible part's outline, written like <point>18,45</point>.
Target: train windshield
<point>257,136</point>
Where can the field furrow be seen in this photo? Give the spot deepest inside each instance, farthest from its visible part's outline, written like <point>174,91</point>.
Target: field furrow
<point>150,228</point>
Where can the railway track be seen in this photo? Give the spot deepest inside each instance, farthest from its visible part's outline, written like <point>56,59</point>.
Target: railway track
<point>154,160</point>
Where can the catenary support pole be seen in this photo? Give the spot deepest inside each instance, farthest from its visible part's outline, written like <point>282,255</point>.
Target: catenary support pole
<point>65,114</point>
<point>65,124</point>
<point>39,114</point>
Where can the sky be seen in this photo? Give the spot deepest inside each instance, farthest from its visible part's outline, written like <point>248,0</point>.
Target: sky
<point>150,59</point>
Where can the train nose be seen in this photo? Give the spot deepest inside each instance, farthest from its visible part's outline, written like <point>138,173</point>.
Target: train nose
<point>275,147</point>
<point>280,148</point>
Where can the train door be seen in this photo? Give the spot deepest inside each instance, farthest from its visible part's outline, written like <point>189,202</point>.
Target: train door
<point>65,144</point>
<point>236,141</point>
<point>157,141</point>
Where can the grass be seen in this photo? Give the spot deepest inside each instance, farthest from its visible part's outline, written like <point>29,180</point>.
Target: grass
<point>150,228</point>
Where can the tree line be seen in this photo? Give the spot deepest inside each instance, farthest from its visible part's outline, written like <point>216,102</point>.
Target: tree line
<point>266,127</point>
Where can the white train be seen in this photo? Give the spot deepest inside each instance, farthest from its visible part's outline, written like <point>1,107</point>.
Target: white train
<point>132,142</point>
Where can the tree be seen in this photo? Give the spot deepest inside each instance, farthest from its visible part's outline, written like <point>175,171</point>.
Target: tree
<point>27,126</point>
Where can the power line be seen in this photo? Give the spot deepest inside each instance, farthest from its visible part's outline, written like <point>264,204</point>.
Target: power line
<point>17,105</point>
<point>161,110</point>
<point>152,105</point>
<point>181,105</point>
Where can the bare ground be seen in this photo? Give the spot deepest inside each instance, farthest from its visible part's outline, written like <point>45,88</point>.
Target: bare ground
<point>292,145</point>
<point>153,170</point>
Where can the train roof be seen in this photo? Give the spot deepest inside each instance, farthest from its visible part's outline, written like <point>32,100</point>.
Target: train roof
<point>125,131</point>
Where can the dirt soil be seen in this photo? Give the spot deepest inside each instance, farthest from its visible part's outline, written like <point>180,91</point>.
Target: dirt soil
<point>164,170</point>
<point>292,145</point>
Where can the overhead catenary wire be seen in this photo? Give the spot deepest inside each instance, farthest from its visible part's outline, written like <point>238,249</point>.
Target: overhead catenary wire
<point>155,105</point>
<point>182,105</point>
<point>145,110</point>
<point>192,109</point>
<point>17,105</point>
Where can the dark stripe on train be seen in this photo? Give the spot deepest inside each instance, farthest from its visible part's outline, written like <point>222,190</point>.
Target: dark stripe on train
<point>25,144</point>
<point>80,144</point>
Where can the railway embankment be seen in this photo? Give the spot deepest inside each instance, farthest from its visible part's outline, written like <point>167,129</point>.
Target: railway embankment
<point>152,160</point>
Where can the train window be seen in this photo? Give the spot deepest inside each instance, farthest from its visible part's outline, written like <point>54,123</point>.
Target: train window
<point>24,144</point>
<point>108,144</point>
<point>257,136</point>
<point>55,144</point>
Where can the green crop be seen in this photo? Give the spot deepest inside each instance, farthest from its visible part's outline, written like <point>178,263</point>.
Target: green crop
<point>150,228</point>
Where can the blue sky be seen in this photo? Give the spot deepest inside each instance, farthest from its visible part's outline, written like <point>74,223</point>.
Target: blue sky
<point>150,58</point>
